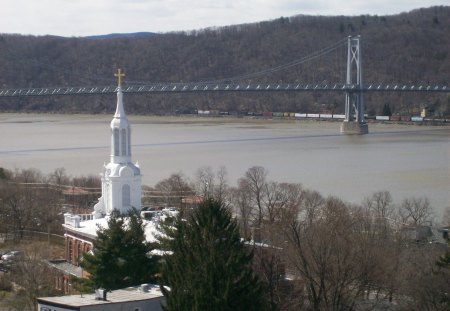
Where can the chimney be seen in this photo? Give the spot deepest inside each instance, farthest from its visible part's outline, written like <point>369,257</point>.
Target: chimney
<point>100,294</point>
<point>144,288</point>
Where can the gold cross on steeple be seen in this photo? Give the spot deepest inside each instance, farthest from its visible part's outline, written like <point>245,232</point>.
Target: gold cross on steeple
<point>119,76</point>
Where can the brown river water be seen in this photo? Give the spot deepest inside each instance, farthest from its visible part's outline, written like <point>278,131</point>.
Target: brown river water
<point>407,160</point>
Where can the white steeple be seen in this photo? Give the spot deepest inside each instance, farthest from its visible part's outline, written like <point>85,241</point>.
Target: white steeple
<point>121,179</point>
<point>120,133</point>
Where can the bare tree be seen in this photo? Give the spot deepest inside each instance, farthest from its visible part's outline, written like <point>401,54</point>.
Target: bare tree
<point>205,181</point>
<point>212,185</point>
<point>312,205</point>
<point>254,182</point>
<point>416,211</point>
<point>243,209</point>
<point>17,207</point>
<point>425,283</point>
<point>174,189</point>
<point>281,202</point>
<point>338,252</point>
<point>59,177</point>
<point>321,254</point>
<point>380,204</point>
<point>221,189</point>
<point>446,217</point>
<point>33,276</point>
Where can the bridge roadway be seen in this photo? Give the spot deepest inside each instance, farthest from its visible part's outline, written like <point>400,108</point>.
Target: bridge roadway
<point>219,87</point>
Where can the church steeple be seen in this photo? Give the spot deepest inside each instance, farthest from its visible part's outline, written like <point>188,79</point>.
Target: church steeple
<point>121,179</point>
<point>120,128</point>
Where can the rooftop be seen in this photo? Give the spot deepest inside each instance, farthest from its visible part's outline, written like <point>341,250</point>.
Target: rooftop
<point>66,267</point>
<point>129,294</point>
<point>89,228</point>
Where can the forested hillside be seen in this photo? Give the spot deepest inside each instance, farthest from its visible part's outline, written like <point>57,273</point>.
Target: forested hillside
<point>411,47</point>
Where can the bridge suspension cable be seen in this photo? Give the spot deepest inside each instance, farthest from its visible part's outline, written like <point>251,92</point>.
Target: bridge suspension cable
<point>230,84</point>
<point>278,68</point>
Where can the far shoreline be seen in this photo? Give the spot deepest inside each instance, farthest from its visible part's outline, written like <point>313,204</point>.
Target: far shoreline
<point>30,117</point>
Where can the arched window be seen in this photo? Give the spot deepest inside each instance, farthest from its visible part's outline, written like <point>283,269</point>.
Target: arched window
<point>116,142</point>
<point>126,200</point>
<point>129,141</point>
<point>79,253</point>
<point>70,252</point>
<point>124,142</point>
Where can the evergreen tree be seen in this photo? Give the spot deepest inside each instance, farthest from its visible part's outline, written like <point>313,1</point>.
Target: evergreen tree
<point>444,271</point>
<point>210,267</point>
<point>120,255</point>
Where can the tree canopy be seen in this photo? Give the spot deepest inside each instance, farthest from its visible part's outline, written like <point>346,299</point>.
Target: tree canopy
<point>120,256</point>
<point>210,268</point>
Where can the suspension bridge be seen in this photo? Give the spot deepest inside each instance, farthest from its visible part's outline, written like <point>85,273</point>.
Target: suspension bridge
<point>353,88</point>
<point>220,87</point>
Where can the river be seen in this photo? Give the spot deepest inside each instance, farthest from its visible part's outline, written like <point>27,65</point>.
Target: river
<point>407,160</point>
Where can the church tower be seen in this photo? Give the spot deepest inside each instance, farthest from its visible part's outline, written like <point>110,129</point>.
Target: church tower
<point>121,179</point>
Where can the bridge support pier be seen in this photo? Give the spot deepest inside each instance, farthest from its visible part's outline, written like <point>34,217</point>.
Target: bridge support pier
<point>354,108</point>
<point>354,128</point>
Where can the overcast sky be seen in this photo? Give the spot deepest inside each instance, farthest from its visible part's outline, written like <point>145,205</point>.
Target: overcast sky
<point>93,17</point>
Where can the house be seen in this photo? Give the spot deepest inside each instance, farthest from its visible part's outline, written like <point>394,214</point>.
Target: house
<point>426,234</point>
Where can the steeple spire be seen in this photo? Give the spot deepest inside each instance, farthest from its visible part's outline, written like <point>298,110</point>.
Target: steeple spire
<point>120,128</point>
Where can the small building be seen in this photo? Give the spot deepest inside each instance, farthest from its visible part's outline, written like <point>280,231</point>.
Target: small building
<point>139,298</point>
<point>426,234</point>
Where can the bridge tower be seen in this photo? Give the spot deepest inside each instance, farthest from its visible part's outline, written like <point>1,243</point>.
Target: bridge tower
<point>354,107</point>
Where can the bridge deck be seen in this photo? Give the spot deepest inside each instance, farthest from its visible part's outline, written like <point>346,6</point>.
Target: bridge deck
<point>221,87</point>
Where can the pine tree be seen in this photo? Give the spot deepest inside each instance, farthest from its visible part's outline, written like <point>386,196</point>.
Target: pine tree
<point>120,254</point>
<point>210,267</point>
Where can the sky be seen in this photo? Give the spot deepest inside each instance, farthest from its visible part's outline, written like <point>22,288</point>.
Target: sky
<point>75,18</point>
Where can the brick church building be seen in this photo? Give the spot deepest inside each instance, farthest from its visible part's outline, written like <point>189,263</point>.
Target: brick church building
<point>121,191</point>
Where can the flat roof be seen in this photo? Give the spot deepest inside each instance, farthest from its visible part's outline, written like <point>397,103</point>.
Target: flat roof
<point>116,296</point>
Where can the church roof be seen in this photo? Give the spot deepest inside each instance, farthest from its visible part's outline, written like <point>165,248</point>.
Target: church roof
<point>88,228</point>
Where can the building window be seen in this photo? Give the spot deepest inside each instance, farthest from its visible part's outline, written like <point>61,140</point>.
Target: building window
<point>116,142</point>
<point>79,253</point>
<point>70,254</point>
<point>126,201</point>
<point>124,142</point>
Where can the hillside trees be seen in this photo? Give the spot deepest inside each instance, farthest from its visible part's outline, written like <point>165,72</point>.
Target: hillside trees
<point>396,49</point>
<point>210,268</point>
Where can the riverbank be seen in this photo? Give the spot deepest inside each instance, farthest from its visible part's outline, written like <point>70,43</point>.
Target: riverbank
<point>199,119</point>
